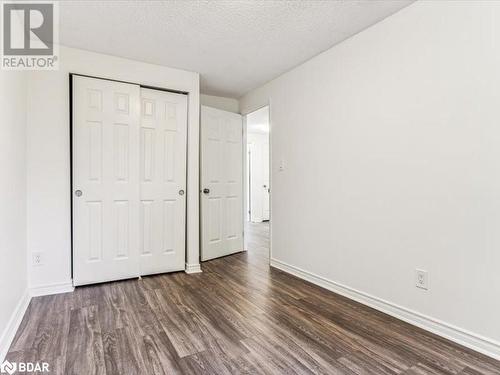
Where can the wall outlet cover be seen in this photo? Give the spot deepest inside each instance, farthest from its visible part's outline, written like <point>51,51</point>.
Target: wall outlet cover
<point>422,279</point>
<point>37,259</point>
<point>282,165</point>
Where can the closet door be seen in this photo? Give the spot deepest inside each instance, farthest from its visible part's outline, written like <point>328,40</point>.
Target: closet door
<point>105,180</point>
<point>163,181</point>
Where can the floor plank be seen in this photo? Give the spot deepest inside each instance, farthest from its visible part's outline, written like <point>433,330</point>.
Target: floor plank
<point>85,353</point>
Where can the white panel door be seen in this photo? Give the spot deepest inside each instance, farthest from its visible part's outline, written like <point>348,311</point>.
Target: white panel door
<point>221,183</point>
<point>105,180</point>
<point>163,181</point>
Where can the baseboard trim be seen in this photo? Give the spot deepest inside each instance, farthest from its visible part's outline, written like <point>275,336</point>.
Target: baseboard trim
<point>14,322</point>
<point>56,288</point>
<point>458,335</point>
<point>193,268</point>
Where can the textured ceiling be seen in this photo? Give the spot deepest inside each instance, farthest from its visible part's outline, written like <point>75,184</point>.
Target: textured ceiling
<point>235,45</point>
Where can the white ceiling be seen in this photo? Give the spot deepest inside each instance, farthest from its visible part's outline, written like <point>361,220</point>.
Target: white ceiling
<point>235,45</point>
<point>258,121</point>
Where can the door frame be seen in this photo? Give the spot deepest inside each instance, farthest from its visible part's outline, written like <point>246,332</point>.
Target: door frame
<point>245,171</point>
<point>71,75</point>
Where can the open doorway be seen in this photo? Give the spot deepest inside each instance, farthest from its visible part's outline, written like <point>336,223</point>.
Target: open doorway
<point>257,182</point>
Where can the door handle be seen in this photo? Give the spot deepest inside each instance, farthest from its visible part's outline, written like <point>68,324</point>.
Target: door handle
<point>78,193</point>
<point>181,192</point>
<point>206,191</point>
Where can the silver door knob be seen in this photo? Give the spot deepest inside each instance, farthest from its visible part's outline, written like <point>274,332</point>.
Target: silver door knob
<point>181,192</point>
<point>78,193</point>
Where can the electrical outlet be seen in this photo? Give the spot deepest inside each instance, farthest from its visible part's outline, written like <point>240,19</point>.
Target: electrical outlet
<point>421,279</point>
<point>37,259</point>
<point>282,165</point>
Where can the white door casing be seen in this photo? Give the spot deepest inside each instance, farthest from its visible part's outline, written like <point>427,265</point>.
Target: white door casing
<point>163,181</point>
<point>105,171</point>
<point>222,175</point>
<point>129,163</point>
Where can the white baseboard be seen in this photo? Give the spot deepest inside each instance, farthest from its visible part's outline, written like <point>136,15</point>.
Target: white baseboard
<point>15,320</point>
<point>193,268</point>
<point>45,290</point>
<point>458,335</point>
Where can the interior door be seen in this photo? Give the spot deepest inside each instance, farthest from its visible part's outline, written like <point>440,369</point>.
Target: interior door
<point>163,181</point>
<point>221,183</point>
<point>105,180</point>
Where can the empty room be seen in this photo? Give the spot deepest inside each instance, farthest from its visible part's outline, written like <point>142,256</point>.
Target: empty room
<point>250,187</point>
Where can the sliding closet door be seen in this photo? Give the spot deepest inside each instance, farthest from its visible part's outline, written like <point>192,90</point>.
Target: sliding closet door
<point>105,180</point>
<point>163,181</point>
<point>129,180</point>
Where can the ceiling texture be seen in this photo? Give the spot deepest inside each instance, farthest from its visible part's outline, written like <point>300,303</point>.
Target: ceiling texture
<point>235,45</point>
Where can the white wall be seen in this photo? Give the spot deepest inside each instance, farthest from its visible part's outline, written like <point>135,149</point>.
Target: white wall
<point>391,141</point>
<point>13,281</point>
<point>49,196</point>
<point>220,102</point>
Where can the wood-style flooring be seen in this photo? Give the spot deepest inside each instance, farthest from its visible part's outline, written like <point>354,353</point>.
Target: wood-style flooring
<point>238,316</point>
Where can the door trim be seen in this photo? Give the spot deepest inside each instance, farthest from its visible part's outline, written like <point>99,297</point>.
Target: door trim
<point>71,99</point>
<point>131,83</point>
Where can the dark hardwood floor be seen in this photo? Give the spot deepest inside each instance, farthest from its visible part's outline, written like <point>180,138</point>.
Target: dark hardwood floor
<point>238,316</point>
